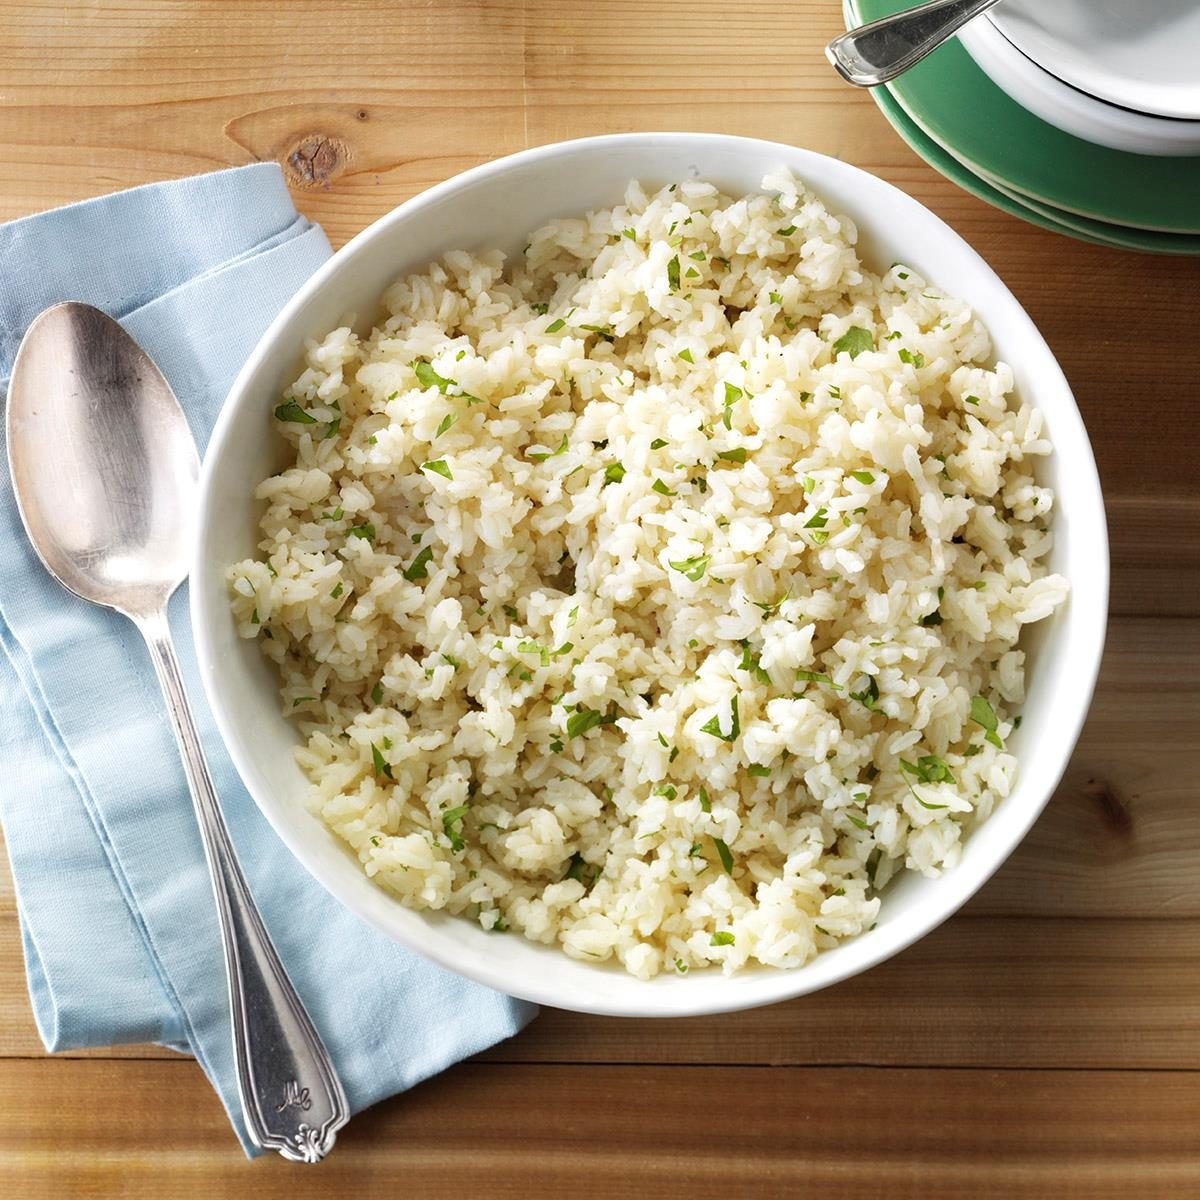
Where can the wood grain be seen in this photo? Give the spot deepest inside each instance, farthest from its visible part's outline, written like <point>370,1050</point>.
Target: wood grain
<point>1046,1041</point>
<point>629,1132</point>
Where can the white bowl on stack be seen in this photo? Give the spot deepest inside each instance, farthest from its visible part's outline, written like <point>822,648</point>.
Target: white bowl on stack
<point>1119,73</point>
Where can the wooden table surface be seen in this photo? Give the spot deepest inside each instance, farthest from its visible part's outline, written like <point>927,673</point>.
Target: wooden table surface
<point>1043,1043</point>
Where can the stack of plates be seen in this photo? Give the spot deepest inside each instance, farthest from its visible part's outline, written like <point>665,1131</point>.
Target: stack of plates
<point>1081,116</point>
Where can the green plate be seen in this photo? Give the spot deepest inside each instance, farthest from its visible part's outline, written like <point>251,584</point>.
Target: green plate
<point>1098,232</point>
<point>957,106</point>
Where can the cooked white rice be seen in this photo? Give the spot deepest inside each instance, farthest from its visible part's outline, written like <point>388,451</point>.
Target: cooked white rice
<point>613,588</point>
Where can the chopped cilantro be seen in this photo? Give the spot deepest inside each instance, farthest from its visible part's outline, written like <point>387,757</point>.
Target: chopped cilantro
<point>891,337</point>
<point>578,723</point>
<point>817,677</point>
<point>737,455</point>
<point>446,422</point>
<point>915,357</point>
<point>691,568</point>
<point>686,355</point>
<point>722,938</point>
<point>583,871</point>
<point>983,714</point>
<point>661,488</point>
<point>787,230</point>
<point>509,612</point>
<point>291,411</point>
<point>630,233</point>
<point>818,520</point>
<point>869,696</point>
<point>417,569</point>
<point>758,770</point>
<point>858,822</point>
<point>377,694</point>
<point>862,476</point>
<point>382,766</point>
<point>726,858</point>
<point>665,789</point>
<point>673,273</point>
<point>970,399</point>
<point>776,298</point>
<point>540,309</point>
<point>450,818</point>
<point>698,255</point>
<point>854,341</point>
<point>928,769</point>
<point>366,531</point>
<point>732,395</point>
<point>705,802</point>
<point>658,443</point>
<point>337,591</point>
<point>713,726</point>
<point>750,662</point>
<point>438,467</point>
<point>541,456</point>
<point>331,430</point>
<point>614,473</point>
<point>427,377</point>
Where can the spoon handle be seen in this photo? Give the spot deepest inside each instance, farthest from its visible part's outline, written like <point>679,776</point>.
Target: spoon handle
<point>877,52</point>
<point>291,1096</point>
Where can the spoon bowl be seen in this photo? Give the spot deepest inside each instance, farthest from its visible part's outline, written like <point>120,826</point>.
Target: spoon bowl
<point>103,463</point>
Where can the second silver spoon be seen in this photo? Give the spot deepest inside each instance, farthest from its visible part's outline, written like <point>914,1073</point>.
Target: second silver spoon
<point>872,54</point>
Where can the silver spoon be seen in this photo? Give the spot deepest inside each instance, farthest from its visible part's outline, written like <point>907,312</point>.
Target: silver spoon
<point>872,54</point>
<point>104,469</point>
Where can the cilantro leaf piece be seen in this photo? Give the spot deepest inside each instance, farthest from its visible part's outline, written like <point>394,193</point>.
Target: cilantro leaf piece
<point>817,677</point>
<point>555,325</point>
<point>578,723</point>
<point>928,769</point>
<point>914,357</point>
<point>427,377</point>
<point>662,489</point>
<point>722,938</point>
<point>818,520</point>
<point>658,443</point>
<point>291,411</point>
<point>446,422</point>
<point>583,871</point>
<point>331,430</point>
<point>673,273</point>
<point>758,770</point>
<point>377,694</point>
<point>614,473</point>
<point>450,818</point>
<point>787,230</point>
<point>713,726</point>
<point>869,696</point>
<point>862,476</point>
<point>438,467</point>
<point>691,568</point>
<point>541,456</point>
<point>857,822</point>
<point>725,856</point>
<point>736,455</point>
<point>984,715</point>
<point>418,568</point>
<point>366,531</point>
<point>382,766</point>
<point>854,341</point>
<point>686,355</point>
<point>705,802</point>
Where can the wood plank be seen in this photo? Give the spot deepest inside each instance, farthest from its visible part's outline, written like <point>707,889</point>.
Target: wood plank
<point>507,1131</point>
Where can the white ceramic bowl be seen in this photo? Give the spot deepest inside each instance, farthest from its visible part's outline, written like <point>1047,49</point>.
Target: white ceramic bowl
<point>496,205</point>
<point>1070,109</point>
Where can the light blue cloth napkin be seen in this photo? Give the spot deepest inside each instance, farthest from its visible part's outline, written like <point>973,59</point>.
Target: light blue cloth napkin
<point>120,933</point>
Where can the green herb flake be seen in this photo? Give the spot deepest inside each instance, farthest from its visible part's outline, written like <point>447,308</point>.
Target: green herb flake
<point>673,273</point>
<point>686,355</point>
<point>366,531</point>
<point>854,341</point>
<point>713,726</point>
<point>722,937</point>
<point>984,715</point>
<point>377,694</point>
<point>291,411</point>
<point>758,770</point>
<point>335,515</point>
<point>614,473</point>
<point>891,337</point>
<point>446,422</point>
<point>809,484</point>
<point>541,456</point>
<point>698,255</point>
<point>450,818</point>
<point>750,662</point>
<point>331,430</point>
<point>665,789</point>
<point>928,769</point>
<point>582,871</point>
<point>869,696</point>
<point>692,272</point>
<point>726,858</point>
<point>818,520</point>
<point>579,723</point>
<point>427,377</point>
<point>540,309</point>
<point>732,395</point>
<point>776,298</point>
<point>418,568</point>
<point>629,233</point>
<point>705,802</point>
<point>817,677</point>
<point>970,399</point>
<point>337,591</point>
<point>661,488</point>
<point>737,455</point>
<point>787,230</point>
<point>658,443</point>
<point>691,568</point>
<point>382,766</point>
<point>857,822</point>
<point>438,467</point>
<point>862,476</point>
<point>913,357</point>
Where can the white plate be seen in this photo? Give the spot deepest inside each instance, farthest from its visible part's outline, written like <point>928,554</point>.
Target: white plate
<point>1141,54</point>
<point>1071,110</point>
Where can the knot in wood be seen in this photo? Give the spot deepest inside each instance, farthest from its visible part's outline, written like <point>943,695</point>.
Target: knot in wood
<point>316,160</point>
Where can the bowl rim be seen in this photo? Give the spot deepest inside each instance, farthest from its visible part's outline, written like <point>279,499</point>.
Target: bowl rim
<point>650,998</point>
